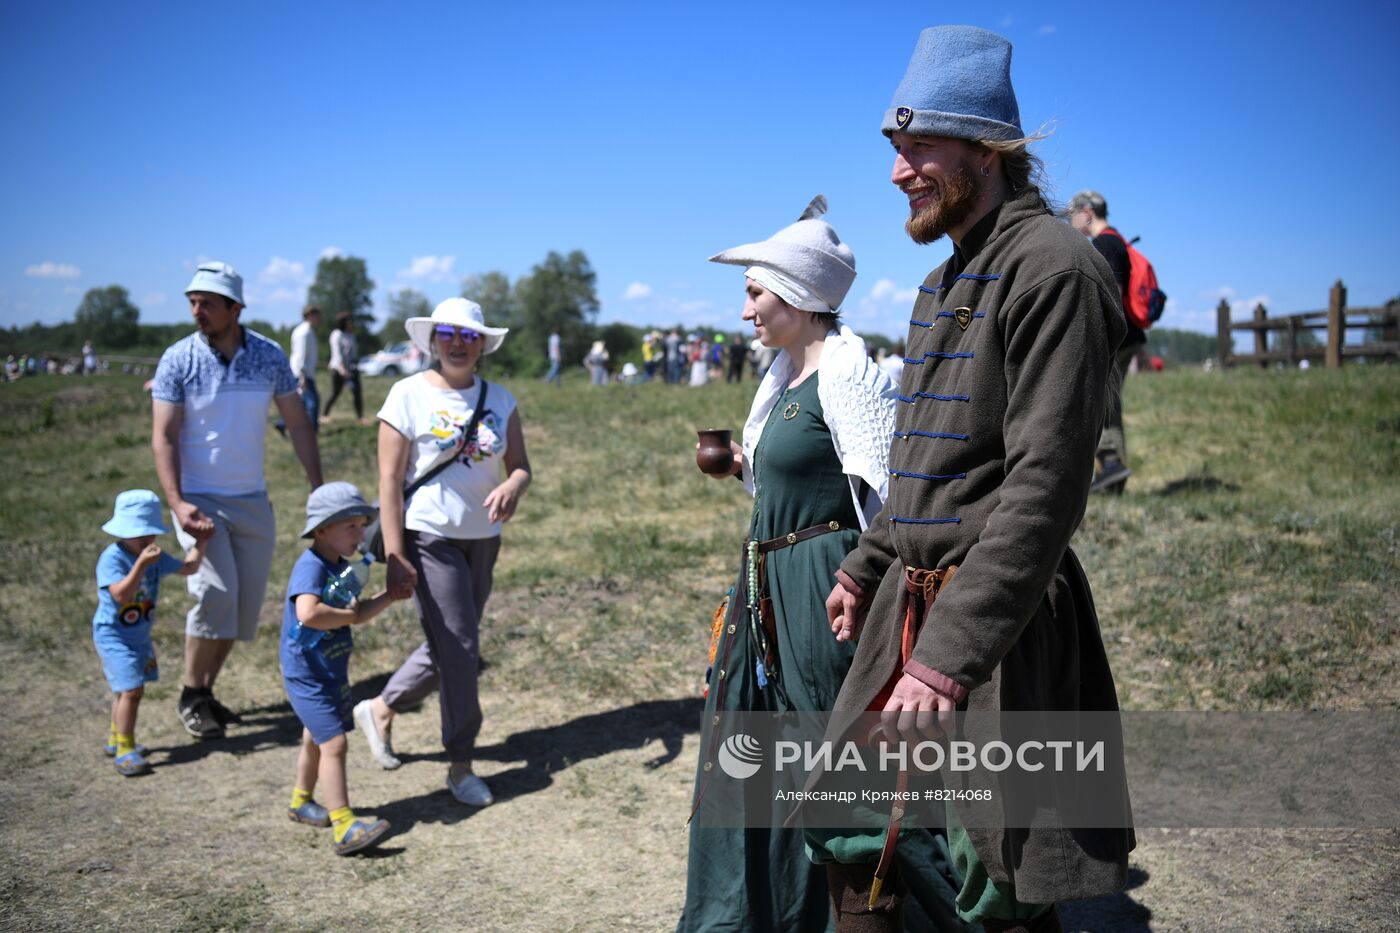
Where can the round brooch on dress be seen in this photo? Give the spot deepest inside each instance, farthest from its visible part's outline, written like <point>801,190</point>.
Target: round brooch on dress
<point>791,411</point>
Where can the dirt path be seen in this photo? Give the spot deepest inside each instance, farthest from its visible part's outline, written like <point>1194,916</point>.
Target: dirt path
<point>587,834</point>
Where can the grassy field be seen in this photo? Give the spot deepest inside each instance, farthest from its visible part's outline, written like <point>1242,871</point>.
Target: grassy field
<point>1254,563</point>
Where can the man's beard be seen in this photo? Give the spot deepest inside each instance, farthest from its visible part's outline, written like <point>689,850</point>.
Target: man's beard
<point>957,204</point>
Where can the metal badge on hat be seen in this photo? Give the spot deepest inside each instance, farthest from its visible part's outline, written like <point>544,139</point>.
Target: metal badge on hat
<point>902,116</point>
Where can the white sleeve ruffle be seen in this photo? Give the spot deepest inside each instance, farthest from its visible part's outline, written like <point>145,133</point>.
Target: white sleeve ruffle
<point>858,401</point>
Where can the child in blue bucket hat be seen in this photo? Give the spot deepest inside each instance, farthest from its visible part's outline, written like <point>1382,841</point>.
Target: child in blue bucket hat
<point>128,584</point>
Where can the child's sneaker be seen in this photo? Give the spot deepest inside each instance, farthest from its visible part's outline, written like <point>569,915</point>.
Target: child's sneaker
<point>361,835</point>
<point>311,813</point>
<point>110,749</point>
<point>133,763</point>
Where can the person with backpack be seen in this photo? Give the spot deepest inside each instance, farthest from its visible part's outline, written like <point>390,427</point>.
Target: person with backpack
<point>1142,305</point>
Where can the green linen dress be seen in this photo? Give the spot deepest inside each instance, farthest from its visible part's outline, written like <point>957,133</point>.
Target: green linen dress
<point>761,878</point>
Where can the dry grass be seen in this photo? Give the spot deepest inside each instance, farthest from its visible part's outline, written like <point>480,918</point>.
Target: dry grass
<point>1252,564</point>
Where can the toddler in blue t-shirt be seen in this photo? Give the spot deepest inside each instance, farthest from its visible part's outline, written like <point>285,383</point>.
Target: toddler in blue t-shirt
<point>315,655</point>
<point>128,584</point>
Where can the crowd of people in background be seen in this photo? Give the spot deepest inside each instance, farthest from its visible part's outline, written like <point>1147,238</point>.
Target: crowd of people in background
<point>32,364</point>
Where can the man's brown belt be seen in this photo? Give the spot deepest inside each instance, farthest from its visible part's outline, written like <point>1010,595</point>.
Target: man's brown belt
<point>924,587</point>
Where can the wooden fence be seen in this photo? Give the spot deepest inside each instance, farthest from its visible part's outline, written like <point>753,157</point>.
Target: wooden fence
<point>1335,322</point>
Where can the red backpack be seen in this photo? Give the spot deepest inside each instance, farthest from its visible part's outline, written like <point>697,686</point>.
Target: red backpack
<point>1145,300</point>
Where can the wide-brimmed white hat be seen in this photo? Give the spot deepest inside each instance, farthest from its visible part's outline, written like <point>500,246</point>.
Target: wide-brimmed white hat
<point>458,312</point>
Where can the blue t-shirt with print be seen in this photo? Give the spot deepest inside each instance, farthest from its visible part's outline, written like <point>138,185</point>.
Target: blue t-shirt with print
<point>309,575</point>
<point>133,618</point>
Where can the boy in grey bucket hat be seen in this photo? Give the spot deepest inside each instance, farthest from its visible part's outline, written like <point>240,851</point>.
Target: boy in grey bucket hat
<point>1010,350</point>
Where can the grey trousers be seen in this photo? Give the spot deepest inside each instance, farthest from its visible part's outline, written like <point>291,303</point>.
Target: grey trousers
<point>229,587</point>
<point>454,580</point>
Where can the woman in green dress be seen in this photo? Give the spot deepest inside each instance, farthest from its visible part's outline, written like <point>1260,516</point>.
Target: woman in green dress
<point>814,457</point>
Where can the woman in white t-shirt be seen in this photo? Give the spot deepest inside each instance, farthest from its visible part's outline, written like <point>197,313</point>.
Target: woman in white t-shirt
<point>445,540</point>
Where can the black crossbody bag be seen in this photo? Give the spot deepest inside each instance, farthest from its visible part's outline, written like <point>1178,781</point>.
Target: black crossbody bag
<point>374,534</point>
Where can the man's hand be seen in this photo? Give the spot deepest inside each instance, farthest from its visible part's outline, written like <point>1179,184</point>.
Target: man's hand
<point>916,712</point>
<point>846,613</point>
<point>195,522</point>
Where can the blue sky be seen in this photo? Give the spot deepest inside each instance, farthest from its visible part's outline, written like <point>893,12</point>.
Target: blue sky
<point>1247,145</point>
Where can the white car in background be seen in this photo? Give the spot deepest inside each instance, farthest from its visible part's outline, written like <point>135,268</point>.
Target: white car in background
<point>393,360</point>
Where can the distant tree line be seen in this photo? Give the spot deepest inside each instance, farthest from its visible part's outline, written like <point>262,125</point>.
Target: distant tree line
<point>557,294</point>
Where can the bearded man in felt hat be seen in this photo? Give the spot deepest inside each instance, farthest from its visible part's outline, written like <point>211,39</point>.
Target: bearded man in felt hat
<point>1009,360</point>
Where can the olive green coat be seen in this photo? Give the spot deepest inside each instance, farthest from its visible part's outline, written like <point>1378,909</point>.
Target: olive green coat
<point>1009,356</point>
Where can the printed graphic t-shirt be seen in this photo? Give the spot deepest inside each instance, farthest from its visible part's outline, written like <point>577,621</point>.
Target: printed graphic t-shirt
<point>134,617</point>
<point>309,575</point>
<point>433,419</point>
<point>225,410</point>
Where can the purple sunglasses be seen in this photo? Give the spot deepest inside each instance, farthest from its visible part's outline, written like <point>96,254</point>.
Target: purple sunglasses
<point>445,332</point>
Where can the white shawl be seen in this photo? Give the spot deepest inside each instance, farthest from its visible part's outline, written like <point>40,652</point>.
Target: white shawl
<point>858,402</point>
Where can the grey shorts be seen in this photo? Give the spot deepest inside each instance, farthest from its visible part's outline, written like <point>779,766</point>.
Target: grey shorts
<point>230,585</point>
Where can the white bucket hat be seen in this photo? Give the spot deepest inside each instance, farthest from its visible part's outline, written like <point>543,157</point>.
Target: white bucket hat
<point>218,278</point>
<point>458,312</point>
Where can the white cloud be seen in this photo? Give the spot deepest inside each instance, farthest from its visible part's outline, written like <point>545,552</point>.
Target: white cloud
<point>1047,30</point>
<point>331,252</point>
<point>429,269</point>
<point>636,291</point>
<point>283,294</point>
<point>281,271</point>
<point>887,290</point>
<point>154,298</point>
<point>884,309</point>
<point>53,270</point>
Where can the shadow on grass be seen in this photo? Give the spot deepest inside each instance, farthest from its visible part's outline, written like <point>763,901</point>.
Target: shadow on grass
<point>1198,483</point>
<point>1114,913</point>
<point>263,727</point>
<point>553,749</point>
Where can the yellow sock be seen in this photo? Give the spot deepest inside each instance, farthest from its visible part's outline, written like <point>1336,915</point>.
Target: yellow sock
<point>111,733</point>
<point>341,819</point>
<point>299,797</point>
<point>125,743</point>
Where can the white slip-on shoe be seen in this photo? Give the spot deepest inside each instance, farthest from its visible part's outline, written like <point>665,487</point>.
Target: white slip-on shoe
<point>379,747</point>
<point>470,790</point>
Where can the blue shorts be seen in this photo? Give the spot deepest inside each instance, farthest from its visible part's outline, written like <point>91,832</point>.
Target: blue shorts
<point>128,658</point>
<point>317,682</point>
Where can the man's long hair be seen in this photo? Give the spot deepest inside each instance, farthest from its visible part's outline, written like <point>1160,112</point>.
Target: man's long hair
<point>1023,168</point>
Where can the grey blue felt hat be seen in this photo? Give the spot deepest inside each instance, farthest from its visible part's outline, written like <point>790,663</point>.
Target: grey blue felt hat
<point>219,278</point>
<point>808,251</point>
<point>958,84</point>
<point>332,503</point>
<point>137,514</point>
